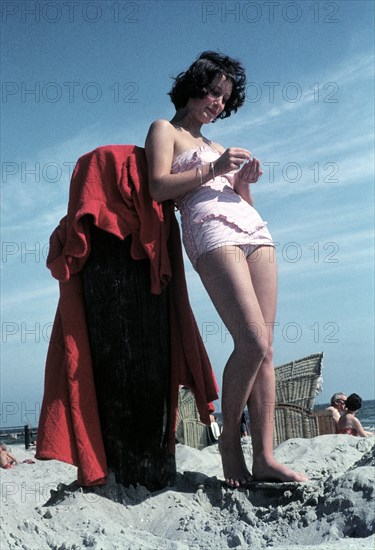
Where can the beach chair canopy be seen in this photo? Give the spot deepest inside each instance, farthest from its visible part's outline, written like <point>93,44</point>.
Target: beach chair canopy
<point>299,382</point>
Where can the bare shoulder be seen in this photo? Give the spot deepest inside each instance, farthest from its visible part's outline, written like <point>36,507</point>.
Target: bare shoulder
<point>162,126</point>
<point>161,123</point>
<point>160,131</point>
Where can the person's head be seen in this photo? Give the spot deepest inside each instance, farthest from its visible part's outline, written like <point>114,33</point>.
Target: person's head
<point>338,401</point>
<point>353,402</point>
<point>200,78</point>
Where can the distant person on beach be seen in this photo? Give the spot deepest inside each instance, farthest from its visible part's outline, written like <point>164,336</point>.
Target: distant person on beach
<point>348,423</point>
<point>214,426</point>
<point>229,246</point>
<point>337,406</point>
<point>7,460</point>
<point>244,432</point>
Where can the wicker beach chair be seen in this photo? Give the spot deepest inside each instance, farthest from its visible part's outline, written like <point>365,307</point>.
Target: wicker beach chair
<point>190,430</point>
<point>297,384</point>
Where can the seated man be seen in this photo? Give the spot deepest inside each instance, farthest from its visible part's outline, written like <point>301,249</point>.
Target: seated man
<point>337,406</point>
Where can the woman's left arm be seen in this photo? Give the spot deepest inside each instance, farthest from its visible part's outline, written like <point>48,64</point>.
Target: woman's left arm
<point>249,173</point>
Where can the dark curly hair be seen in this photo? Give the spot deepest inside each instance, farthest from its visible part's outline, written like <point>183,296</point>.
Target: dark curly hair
<point>196,81</point>
<point>353,402</point>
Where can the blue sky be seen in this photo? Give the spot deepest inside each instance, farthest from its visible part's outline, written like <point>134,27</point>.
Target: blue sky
<point>82,74</point>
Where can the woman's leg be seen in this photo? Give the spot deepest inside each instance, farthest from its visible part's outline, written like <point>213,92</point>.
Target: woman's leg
<point>261,402</point>
<point>226,276</point>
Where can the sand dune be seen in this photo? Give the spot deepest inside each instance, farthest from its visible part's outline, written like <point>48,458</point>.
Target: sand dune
<point>43,508</point>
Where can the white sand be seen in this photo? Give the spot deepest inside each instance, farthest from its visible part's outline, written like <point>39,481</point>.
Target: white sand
<point>198,512</point>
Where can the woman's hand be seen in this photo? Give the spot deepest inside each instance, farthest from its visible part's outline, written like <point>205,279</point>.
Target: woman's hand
<point>230,160</point>
<point>249,173</point>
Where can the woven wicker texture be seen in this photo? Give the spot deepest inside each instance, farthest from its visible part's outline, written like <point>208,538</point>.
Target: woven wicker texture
<point>190,430</point>
<point>326,423</point>
<point>297,381</point>
<point>293,421</point>
<point>195,434</point>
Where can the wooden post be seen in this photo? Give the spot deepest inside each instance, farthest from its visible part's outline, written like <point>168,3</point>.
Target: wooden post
<point>129,338</point>
<point>27,437</point>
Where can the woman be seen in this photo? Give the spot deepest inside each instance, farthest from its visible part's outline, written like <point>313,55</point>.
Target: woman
<point>348,423</point>
<point>221,231</point>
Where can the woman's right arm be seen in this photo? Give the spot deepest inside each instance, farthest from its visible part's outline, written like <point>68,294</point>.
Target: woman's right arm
<point>358,426</point>
<point>159,147</point>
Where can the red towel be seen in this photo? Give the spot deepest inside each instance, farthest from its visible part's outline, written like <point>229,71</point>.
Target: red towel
<point>110,184</point>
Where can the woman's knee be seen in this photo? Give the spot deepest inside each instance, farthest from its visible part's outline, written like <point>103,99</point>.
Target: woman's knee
<point>252,341</point>
<point>268,358</point>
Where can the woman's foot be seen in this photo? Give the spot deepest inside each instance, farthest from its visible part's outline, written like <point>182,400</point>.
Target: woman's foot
<point>273,471</point>
<point>235,471</point>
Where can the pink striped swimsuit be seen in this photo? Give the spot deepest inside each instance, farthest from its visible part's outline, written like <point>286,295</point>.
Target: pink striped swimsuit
<point>214,215</point>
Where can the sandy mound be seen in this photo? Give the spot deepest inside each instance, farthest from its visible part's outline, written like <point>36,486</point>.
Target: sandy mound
<point>43,508</point>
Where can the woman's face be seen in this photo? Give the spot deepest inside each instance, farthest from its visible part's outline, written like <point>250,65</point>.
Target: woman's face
<point>209,107</point>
